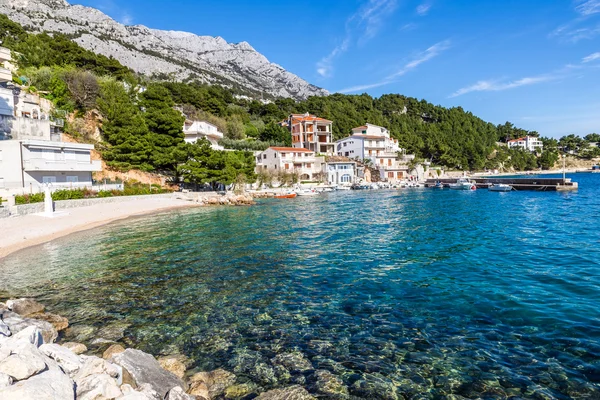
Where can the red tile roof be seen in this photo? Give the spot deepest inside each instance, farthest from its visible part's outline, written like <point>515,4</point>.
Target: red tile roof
<point>360,127</point>
<point>297,118</point>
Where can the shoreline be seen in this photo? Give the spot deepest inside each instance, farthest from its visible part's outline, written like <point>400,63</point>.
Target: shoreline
<point>33,230</point>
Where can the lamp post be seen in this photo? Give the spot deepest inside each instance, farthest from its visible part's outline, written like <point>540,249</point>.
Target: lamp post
<point>564,166</point>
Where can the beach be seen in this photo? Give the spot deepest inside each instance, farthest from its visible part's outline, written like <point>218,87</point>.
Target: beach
<point>29,230</point>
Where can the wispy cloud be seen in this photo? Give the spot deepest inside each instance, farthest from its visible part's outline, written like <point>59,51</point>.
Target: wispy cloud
<point>126,19</point>
<point>495,86</point>
<point>361,26</point>
<point>423,9</point>
<point>417,60</point>
<point>591,57</point>
<point>587,7</point>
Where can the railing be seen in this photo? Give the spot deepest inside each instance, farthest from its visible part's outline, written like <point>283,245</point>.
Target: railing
<point>39,164</point>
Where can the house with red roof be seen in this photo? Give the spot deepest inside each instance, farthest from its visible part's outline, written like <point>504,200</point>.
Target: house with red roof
<point>303,162</point>
<point>529,143</point>
<point>310,132</point>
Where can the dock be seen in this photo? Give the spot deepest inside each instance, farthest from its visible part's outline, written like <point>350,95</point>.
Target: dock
<point>538,184</point>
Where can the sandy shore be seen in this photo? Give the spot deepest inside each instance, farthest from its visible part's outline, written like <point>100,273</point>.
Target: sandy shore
<point>30,230</point>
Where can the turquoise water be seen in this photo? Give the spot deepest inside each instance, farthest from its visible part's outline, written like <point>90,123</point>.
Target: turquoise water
<point>400,294</point>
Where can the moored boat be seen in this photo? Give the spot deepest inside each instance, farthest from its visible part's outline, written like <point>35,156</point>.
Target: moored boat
<point>307,192</point>
<point>463,184</point>
<point>500,187</point>
<point>286,196</point>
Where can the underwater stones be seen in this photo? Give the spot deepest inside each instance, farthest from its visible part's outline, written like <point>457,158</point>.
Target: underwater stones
<point>293,361</point>
<point>263,318</point>
<point>80,333</point>
<point>330,385</point>
<point>291,393</point>
<point>58,322</point>
<point>174,364</point>
<point>24,306</point>
<point>144,368</point>
<point>236,392</point>
<point>216,381</point>
<point>199,389</point>
<point>113,332</point>
<point>77,348</point>
<point>375,386</point>
<point>112,350</point>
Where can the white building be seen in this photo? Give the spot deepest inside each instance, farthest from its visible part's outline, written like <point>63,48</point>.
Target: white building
<point>196,130</point>
<point>341,172</point>
<point>26,165</point>
<point>310,132</point>
<point>529,143</point>
<point>289,159</point>
<point>372,143</point>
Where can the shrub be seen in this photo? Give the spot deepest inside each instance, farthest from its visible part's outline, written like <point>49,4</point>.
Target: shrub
<point>29,198</point>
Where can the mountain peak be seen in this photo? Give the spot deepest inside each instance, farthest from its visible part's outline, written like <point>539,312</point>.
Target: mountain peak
<point>149,51</point>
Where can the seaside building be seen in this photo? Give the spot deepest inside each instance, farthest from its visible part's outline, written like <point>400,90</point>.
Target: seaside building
<point>31,151</point>
<point>341,172</point>
<point>196,130</point>
<point>303,162</point>
<point>310,132</point>
<point>529,143</point>
<point>373,144</point>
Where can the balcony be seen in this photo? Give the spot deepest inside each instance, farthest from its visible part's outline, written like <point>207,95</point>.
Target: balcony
<point>40,164</point>
<point>5,75</point>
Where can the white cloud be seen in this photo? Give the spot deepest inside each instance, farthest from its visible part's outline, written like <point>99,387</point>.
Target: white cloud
<point>588,7</point>
<point>423,9</point>
<point>495,86</point>
<point>126,19</point>
<point>419,59</point>
<point>364,24</point>
<point>591,57</point>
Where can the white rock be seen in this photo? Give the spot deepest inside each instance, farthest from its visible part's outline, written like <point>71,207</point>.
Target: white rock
<point>95,366</point>
<point>51,384</point>
<point>177,393</point>
<point>17,323</point>
<point>4,329</point>
<point>5,380</point>
<point>21,366</point>
<point>66,359</point>
<point>95,387</point>
<point>77,348</point>
<point>31,334</point>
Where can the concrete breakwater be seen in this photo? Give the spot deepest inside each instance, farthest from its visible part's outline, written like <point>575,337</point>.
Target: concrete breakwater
<point>33,367</point>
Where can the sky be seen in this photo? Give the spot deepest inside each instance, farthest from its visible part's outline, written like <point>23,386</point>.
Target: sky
<point>535,63</point>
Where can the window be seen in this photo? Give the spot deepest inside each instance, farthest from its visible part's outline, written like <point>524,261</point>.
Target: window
<point>48,179</point>
<point>308,165</point>
<point>287,166</point>
<point>72,179</point>
<point>345,144</point>
<point>346,178</point>
<point>264,156</point>
<point>390,174</point>
<point>364,132</point>
<point>347,154</point>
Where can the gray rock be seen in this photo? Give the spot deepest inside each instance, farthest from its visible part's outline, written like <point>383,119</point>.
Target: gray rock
<point>24,307</point>
<point>95,366</point>
<point>144,368</point>
<point>101,386</point>
<point>25,362</point>
<point>4,329</point>
<point>113,332</point>
<point>177,393</point>
<point>16,323</point>
<point>80,333</point>
<point>5,380</point>
<point>293,361</point>
<point>290,393</point>
<point>31,334</point>
<point>51,384</point>
<point>77,348</point>
<point>66,359</point>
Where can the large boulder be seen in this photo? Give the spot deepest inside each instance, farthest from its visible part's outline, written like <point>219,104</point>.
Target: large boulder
<point>174,364</point>
<point>4,329</point>
<point>24,307</point>
<point>25,362</point>
<point>95,366</point>
<point>17,323</point>
<point>51,384</point>
<point>291,393</point>
<point>66,359</point>
<point>144,368</point>
<point>215,382</point>
<point>31,334</point>
<point>5,380</point>
<point>112,350</point>
<point>101,386</point>
<point>177,393</point>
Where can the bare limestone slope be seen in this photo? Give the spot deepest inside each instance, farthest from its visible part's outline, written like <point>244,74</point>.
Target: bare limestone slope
<point>151,51</point>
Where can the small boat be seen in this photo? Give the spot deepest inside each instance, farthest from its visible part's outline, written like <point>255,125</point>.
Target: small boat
<point>357,186</point>
<point>343,188</point>
<point>286,196</point>
<point>500,187</point>
<point>307,192</point>
<point>463,184</point>
<point>438,185</point>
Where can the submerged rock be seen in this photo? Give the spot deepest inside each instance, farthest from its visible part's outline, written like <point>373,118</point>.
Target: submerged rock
<point>174,364</point>
<point>236,392</point>
<point>113,332</point>
<point>330,385</point>
<point>58,322</point>
<point>215,381</point>
<point>144,368</point>
<point>24,307</point>
<point>290,393</point>
<point>293,362</point>
<point>80,333</point>
<point>375,386</point>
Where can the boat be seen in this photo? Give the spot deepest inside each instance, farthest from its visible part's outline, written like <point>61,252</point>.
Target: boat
<point>500,187</point>
<point>343,188</point>
<point>463,184</point>
<point>286,196</point>
<point>438,185</point>
<point>357,186</point>
<point>307,192</point>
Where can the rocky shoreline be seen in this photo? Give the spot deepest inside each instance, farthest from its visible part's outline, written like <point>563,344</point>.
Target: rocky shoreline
<point>34,367</point>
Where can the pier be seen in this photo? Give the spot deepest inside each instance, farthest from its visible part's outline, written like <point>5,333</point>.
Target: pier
<point>539,184</point>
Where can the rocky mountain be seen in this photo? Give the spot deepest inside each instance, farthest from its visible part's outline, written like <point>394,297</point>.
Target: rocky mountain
<point>150,52</point>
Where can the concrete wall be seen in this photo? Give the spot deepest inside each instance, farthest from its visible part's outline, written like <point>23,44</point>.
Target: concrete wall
<point>34,208</point>
<point>10,164</point>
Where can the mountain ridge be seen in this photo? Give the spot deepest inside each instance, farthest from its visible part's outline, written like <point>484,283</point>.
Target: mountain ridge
<point>177,54</point>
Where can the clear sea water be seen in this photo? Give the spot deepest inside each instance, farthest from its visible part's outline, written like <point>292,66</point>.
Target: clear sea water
<point>399,294</point>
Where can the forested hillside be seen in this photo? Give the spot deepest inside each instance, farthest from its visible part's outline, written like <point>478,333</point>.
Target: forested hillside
<point>142,121</point>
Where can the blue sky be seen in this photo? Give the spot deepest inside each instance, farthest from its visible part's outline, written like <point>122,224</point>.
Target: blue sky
<point>535,63</point>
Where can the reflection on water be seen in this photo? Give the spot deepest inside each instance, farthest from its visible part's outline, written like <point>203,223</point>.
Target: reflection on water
<point>397,294</point>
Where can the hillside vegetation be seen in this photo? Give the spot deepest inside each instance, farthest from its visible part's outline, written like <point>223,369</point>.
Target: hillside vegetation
<point>142,123</point>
